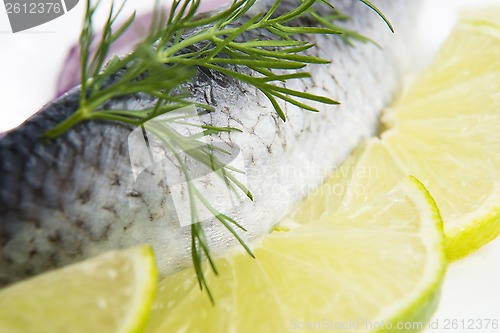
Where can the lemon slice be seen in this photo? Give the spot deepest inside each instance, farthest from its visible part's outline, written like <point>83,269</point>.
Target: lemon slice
<point>445,131</point>
<point>372,257</point>
<point>110,293</point>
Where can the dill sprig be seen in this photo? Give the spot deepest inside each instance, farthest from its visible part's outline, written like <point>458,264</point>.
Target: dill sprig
<point>176,45</point>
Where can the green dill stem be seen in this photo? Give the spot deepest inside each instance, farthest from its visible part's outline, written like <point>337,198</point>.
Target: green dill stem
<point>197,233</point>
<point>66,124</point>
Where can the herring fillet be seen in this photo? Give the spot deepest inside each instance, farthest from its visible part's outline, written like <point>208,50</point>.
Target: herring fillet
<point>76,197</point>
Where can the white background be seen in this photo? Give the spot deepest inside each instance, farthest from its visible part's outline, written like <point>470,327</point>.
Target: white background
<point>30,62</point>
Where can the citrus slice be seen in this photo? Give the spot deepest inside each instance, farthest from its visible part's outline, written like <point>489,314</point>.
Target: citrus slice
<point>445,132</point>
<point>370,258</point>
<point>110,293</point>
<point>472,50</point>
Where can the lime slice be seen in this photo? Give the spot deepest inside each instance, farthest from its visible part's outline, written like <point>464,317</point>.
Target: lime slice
<point>371,258</point>
<point>481,14</point>
<point>445,131</point>
<point>110,293</point>
<point>472,50</point>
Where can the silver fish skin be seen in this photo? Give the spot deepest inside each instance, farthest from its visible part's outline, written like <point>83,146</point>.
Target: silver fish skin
<point>64,201</point>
